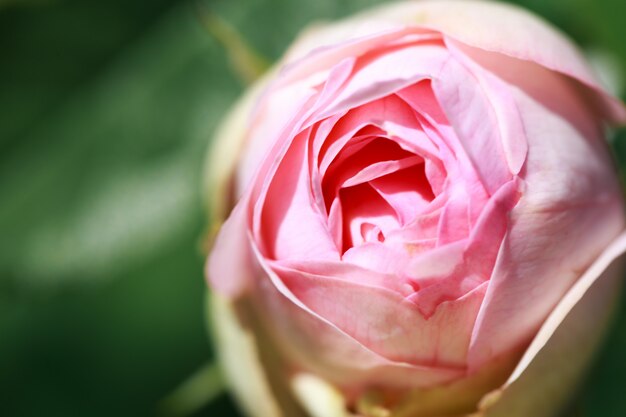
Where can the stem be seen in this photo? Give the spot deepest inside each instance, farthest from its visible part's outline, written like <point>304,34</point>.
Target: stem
<point>246,63</point>
<point>199,389</point>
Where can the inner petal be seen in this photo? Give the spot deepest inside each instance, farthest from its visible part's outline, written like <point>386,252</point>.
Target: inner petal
<point>366,216</point>
<point>381,169</point>
<point>406,190</point>
<point>349,163</point>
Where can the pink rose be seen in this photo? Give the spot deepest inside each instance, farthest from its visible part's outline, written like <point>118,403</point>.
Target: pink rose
<point>427,212</point>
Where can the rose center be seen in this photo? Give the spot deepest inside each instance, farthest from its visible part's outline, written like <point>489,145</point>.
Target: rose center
<point>372,188</point>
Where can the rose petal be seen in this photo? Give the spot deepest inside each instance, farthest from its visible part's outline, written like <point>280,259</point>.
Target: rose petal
<point>319,345</point>
<point>288,219</point>
<point>520,34</point>
<point>386,73</point>
<point>406,190</point>
<point>571,207</point>
<point>240,360</point>
<point>380,257</point>
<point>470,112</point>
<point>390,325</point>
<point>229,268</point>
<point>564,344</point>
<point>276,120</point>
<point>381,169</point>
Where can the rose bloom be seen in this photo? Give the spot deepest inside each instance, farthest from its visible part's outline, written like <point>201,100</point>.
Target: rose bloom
<point>427,219</point>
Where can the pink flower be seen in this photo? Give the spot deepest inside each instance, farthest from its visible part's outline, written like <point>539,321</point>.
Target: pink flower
<point>427,211</point>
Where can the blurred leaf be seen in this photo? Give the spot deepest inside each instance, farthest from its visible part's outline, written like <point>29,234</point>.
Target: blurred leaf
<point>101,286</point>
<point>125,151</point>
<point>197,391</point>
<point>246,63</point>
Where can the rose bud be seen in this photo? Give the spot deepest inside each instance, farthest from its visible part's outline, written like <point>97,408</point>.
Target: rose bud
<point>428,221</point>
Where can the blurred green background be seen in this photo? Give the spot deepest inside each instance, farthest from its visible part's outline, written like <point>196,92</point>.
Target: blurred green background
<point>107,108</point>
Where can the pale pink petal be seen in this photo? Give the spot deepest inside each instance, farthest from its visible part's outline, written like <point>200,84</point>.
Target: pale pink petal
<point>333,44</point>
<point>451,271</point>
<point>511,130</point>
<point>491,227</point>
<point>390,325</point>
<point>421,98</point>
<point>452,162</point>
<point>424,226</point>
<point>270,129</point>
<point>291,225</point>
<point>571,194</point>
<point>230,268</point>
<point>436,174</point>
<point>564,344</point>
<point>338,76</point>
<point>380,257</point>
<point>471,114</point>
<point>387,73</point>
<point>454,222</point>
<point>319,345</point>
<point>335,222</point>
<point>407,190</point>
<point>439,276</point>
<point>329,137</point>
<point>520,34</point>
<point>351,146</point>
<point>345,271</point>
<point>438,263</point>
<point>552,90</point>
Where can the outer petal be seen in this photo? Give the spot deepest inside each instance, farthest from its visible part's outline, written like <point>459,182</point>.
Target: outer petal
<point>520,34</point>
<point>315,344</point>
<point>289,220</point>
<point>241,366</point>
<point>564,344</point>
<point>471,114</point>
<point>391,71</point>
<point>225,150</point>
<point>571,192</point>
<point>250,366</point>
<point>264,386</point>
<point>390,325</point>
<point>230,268</point>
<point>270,129</point>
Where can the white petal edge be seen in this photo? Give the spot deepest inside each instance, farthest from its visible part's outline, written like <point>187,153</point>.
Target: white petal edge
<point>226,148</point>
<point>239,358</point>
<point>319,398</point>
